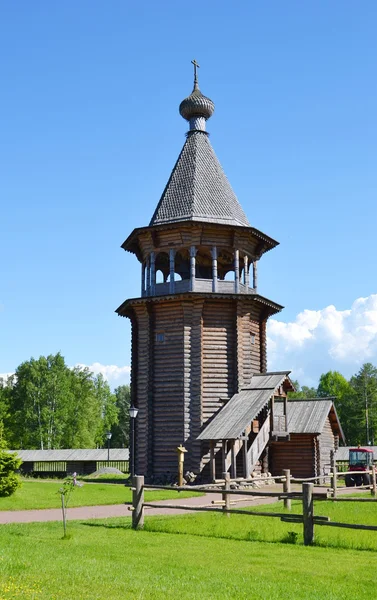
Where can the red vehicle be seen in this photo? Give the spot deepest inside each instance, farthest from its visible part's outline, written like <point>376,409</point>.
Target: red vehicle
<point>360,459</point>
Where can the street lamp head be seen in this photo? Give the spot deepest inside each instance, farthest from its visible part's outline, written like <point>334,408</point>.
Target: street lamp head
<point>133,412</point>
<point>109,435</point>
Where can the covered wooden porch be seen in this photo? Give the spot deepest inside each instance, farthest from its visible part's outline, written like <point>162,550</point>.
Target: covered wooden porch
<point>239,433</point>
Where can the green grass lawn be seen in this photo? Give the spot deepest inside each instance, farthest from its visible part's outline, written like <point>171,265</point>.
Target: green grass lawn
<point>106,560</point>
<point>252,528</point>
<point>43,494</point>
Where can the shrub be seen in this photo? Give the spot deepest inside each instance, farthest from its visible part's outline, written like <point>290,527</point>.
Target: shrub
<point>9,464</point>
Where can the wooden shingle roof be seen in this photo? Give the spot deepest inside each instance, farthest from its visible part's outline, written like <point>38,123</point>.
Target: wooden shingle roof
<point>198,189</point>
<point>242,408</point>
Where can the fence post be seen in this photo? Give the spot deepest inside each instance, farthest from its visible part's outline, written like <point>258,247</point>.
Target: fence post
<point>373,490</point>
<point>307,511</point>
<point>226,497</point>
<point>334,473</point>
<point>138,502</point>
<point>287,487</point>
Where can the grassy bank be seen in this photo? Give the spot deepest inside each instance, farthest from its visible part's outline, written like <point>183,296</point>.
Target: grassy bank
<point>106,559</point>
<point>43,494</point>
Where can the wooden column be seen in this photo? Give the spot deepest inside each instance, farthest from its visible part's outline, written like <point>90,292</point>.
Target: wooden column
<point>246,270</point>
<point>153,274</point>
<point>148,276</point>
<point>138,502</point>
<point>143,279</point>
<point>286,413</point>
<point>334,474</point>
<point>212,461</point>
<point>224,455</point>
<point>255,275</point>
<point>272,413</point>
<point>287,488</point>
<point>172,269</point>
<point>307,510</point>
<point>214,269</point>
<point>226,497</point>
<point>246,459</point>
<point>192,268</point>
<point>233,463</point>
<point>236,271</point>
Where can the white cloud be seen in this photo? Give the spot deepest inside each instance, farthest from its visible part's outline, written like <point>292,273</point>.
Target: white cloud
<point>5,376</point>
<point>112,373</point>
<point>318,341</point>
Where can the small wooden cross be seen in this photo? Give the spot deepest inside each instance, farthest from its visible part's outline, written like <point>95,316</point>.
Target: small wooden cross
<point>196,66</point>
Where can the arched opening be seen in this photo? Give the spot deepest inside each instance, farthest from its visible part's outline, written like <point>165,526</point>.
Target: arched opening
<point>182,264</point>
<point>159,276</point>
<point>229,276</point>
<point>225,264</point>
<point>203,263</point>
<point>177,277</point>
<point>162,265</point>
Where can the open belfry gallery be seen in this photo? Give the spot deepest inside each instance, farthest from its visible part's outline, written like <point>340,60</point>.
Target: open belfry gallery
<point>199,354</point>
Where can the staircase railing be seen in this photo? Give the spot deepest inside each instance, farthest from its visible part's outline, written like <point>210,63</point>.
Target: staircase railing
<point>259,444</point>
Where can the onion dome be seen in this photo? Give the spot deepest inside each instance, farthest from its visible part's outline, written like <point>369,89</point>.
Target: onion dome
<point>196,108</point>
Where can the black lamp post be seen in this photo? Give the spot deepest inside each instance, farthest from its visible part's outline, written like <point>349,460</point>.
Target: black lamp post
<point>108,435</point>
<point>133,414</point>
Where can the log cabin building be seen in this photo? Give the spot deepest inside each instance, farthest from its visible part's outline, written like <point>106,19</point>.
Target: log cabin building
<point>199,358</point>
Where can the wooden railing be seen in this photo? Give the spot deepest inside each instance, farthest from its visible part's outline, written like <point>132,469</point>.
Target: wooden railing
<point>307,495</point>
<point>258,445</point>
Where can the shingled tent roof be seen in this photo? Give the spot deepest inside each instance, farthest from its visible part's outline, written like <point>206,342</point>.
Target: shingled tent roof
<point>198,189</point>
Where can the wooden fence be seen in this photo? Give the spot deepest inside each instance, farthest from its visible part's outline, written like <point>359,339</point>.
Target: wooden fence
<point>307,496</point>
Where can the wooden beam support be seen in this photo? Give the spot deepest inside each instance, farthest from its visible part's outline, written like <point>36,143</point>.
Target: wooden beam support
<point>212,461</point>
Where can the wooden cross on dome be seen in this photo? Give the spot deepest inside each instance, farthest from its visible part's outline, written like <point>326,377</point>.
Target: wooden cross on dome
<point>196,66</point>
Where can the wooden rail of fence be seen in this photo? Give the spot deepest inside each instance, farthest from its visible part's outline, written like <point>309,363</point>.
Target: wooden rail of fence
<point>307,495</point>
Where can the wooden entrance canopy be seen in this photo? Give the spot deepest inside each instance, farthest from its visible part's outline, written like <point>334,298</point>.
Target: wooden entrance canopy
<point>246,421</point>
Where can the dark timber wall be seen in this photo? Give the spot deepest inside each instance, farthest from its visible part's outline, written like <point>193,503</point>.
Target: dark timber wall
<point>189,354</point>
<point>298,455</point>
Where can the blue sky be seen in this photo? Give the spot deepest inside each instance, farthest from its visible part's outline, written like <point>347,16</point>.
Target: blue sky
<point>90,131</point>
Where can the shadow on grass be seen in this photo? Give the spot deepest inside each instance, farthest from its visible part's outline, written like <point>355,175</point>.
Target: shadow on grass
<point>289,538</point>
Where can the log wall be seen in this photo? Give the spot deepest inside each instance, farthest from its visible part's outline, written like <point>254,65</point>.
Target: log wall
<point>297,454</point>
<point>326,444</point>
<point>219,356</point>
<point>210,349</point>
<point>248,341</point>
<point>141,388</point>
<point>168,385</point>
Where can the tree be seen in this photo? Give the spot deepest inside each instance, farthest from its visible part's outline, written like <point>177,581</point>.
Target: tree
<point>121,431</point>
<point>9,464</point>
<point>52,406</point>
<point>107,406</point>
<point>38,403</point>
<point>302,392</point>
<point>364,385</point>
<point>334,384</point>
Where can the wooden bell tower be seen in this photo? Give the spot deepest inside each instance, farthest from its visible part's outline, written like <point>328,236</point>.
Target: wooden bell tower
<point>199,325</point>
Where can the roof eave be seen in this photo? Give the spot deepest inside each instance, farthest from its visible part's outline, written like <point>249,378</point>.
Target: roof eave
<point>131,242</point>
<point>125,309</point>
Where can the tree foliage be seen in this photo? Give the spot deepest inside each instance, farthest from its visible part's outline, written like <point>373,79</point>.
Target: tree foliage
<point>364,385</point>
<point>49,406</point>
<point>355,402</point>
<point>121,430</point>
<point>302,392</point>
